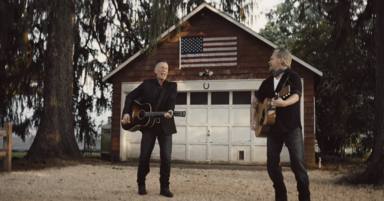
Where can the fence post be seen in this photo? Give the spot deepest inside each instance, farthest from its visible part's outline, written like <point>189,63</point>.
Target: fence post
<point>8,159</point>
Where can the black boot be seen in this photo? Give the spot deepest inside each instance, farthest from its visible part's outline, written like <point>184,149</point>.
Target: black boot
<point>280,192</point>
<point>164,191</point>
<point>141,189</point>
<point>280,197</point>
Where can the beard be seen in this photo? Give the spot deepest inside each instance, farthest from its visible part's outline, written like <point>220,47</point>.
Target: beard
<point>277,72</point>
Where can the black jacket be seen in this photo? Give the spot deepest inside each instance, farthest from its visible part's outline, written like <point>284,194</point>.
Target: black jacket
<point>149,92</point>
<point>287,118</point>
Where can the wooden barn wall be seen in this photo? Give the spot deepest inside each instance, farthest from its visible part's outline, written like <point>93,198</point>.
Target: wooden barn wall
<point>116,115</point>
<point>253,57</point>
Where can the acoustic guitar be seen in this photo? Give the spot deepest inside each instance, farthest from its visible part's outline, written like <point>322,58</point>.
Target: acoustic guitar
<point>263,113</point>
<point>143,116</point>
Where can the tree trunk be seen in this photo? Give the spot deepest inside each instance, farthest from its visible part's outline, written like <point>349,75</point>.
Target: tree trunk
<point>374,174</point>
<point>55,136</point>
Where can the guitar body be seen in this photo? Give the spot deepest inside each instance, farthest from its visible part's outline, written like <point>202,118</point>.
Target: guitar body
<point>142,116</point>
<point>265,117</point>
<point>264,114</point>
<point>138,120</point>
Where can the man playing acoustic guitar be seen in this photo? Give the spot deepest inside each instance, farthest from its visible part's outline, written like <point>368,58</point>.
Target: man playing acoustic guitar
<point>161,95</point>
<point>287,127</point>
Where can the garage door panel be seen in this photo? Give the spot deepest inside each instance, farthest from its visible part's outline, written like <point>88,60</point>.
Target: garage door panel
<point>197,134</point>
<point>260,154</point>
<point>134,150</point>
<point>198,152</point>
<point>219,116</point>
<point>241,135</point>
<point>219,135</point>
<point>241,116</point>
<point>197,116</point>
<point>180,121</point>
<point>260,141</point>
<point>219,153</point>
<point>180,136</point>
<point>178,152</point>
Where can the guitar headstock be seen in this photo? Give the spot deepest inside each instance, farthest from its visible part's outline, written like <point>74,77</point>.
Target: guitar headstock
<point>180,113</point>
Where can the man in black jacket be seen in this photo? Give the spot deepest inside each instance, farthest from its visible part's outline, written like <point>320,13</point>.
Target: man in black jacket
<point>287,127</point>
<point>161,94</point>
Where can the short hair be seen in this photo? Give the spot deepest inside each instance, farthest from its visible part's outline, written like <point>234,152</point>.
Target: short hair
<point>284,55</point>
<point>158,62</point>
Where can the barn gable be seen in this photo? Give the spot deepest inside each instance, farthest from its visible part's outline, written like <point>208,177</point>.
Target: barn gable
<point>184,20</point>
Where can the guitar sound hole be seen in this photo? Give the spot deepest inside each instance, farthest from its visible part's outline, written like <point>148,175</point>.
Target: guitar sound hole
<point>141,115</point>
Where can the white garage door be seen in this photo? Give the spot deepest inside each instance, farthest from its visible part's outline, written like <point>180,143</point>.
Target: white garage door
<point>215,129</point>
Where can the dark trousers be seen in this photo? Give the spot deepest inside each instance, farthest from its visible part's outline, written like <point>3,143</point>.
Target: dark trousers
<point>294,142</point>
<point>147,144</point>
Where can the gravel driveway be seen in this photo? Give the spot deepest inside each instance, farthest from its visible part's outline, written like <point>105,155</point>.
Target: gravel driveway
<point>110,182</point>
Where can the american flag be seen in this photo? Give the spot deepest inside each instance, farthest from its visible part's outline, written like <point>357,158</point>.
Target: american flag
<point>208,51</point>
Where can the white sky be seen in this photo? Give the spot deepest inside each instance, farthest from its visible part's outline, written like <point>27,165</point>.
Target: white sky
<point>264,7</point>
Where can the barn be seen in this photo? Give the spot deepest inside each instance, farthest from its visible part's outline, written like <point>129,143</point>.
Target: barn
<point>217,63</point>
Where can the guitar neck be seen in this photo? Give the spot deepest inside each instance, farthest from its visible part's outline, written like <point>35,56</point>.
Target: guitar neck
<point>160,114</point>
<point>154,114</point>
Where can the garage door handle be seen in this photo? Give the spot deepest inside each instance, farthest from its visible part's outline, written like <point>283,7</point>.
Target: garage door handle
<point>208,133</point>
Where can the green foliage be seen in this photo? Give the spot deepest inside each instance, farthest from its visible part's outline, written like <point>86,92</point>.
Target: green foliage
<point>21,62</point>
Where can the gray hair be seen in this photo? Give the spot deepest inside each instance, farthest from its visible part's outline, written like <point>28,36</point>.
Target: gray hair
<point>159,63</point>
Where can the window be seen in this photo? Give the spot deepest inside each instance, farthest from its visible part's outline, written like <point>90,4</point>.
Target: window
<point>199,98</point>
<point>181,98</point>
<point>241,97</point>
<point>220,98</point>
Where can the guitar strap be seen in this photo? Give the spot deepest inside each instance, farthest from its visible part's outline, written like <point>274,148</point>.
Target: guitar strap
<point>283,85</point>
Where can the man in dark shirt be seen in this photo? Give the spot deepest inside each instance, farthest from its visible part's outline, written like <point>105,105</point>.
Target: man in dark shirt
<point>161,94</point>
<point>287,127</point>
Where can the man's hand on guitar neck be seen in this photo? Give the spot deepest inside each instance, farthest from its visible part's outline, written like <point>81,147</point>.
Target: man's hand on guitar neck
<point>168,114</point>
<point>279,102</point>
<point>126,119</point>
